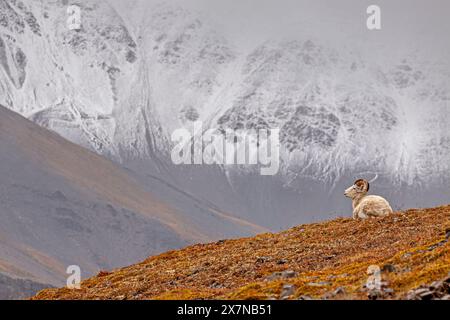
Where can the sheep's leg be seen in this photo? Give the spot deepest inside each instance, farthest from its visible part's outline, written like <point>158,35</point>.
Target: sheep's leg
<point>363,215</point>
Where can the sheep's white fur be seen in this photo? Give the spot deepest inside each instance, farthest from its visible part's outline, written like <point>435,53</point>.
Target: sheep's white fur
<point>365,206</point>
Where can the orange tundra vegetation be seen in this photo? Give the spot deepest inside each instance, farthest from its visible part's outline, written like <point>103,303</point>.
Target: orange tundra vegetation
<point>326,260</point>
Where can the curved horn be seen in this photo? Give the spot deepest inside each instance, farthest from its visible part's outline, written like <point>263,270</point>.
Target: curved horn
<point>363,184</point>
<point>370,172</point>
<point>374,178</point>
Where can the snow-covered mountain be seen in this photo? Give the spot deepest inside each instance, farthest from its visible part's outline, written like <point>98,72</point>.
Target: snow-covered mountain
<point>122,83</point>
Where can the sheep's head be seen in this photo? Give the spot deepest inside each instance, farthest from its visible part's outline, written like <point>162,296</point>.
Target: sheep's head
<point>359,188</point>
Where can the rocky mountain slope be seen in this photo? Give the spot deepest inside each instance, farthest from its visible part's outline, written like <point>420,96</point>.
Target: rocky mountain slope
<point>62,205</point>
<point>133,73</point>
<point>329,260</point>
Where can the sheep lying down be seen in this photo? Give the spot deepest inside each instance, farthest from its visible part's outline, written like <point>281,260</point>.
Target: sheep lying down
<point>366,206</point>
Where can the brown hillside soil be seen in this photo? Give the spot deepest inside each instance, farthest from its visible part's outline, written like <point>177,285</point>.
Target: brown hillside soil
<point>412,249</point>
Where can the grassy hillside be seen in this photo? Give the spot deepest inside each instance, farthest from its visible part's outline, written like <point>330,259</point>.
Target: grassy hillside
<point>326,260</point>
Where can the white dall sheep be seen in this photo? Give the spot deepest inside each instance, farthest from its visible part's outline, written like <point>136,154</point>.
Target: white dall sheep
<point>365,206</point>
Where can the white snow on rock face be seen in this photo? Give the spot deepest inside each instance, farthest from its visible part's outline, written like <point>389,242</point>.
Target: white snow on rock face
<point>63,79</point>
<point>340,113</point>
<point>129,77</point>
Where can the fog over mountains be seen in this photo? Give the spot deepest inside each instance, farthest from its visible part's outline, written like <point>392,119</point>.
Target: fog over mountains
<point>136,72</point>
